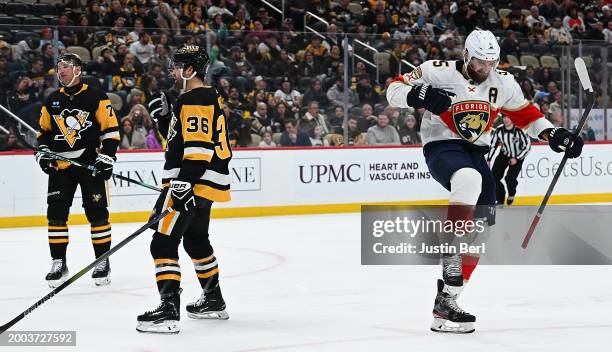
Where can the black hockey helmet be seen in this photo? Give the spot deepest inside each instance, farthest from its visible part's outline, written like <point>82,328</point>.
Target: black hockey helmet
<point>194,56</point>
<point>70,58</point>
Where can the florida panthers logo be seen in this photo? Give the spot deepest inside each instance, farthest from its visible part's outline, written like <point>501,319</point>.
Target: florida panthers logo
<point>471,119</point>
<point>71,123</point>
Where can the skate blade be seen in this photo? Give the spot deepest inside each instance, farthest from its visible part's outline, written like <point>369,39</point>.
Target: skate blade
<point>58,282</point>
<point>221,315</point>
<point>102,281</point>
<point>447,326</point>
<point>165,327</point>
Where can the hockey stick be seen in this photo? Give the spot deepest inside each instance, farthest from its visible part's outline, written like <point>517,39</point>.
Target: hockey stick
<point>78,275</point>
<point>588,89</point>
<point>59,157</point>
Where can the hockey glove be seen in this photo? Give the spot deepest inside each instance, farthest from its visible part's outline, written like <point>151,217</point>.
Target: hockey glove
<point>562,140</point>
<point>47,163</point>
<point>433,99</point>
<point>104,166</point>
<point>182,196</point>
<point>159,108</point>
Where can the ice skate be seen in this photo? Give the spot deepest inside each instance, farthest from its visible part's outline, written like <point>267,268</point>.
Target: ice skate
<point>58,273</point>
<point>101,273</point>
<point>448,317</point>
<point>165,318</point>
<point>209,306</point>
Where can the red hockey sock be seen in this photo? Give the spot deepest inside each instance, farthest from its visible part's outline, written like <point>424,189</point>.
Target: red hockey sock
<point>468,264</point>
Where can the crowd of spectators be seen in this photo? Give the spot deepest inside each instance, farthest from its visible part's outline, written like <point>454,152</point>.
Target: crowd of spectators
<point>283,86</point>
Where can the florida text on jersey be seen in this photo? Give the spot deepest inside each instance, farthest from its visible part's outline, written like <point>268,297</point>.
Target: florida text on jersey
<point>474,106</point>
<point>198,146</point>
<point>75,126</point>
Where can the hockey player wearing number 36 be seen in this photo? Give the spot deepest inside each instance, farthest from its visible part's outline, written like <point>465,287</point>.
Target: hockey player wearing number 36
<point>75,122</point>
<point>195,175</point>
<point>462,99</point>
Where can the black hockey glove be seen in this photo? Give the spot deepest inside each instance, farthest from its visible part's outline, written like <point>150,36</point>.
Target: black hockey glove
<point>433,99</point>
<point>47,163</point>
<point>182,196</point>
<point>562,140</point>
<point>159,108</point>
<point>104,166</point>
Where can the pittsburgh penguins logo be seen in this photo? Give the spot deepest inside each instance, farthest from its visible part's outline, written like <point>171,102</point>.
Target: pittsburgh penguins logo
<point>471,119</point>
<point>71,123</point>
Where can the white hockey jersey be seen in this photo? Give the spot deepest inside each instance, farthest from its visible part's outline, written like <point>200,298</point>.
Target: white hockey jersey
<point>474,107</point>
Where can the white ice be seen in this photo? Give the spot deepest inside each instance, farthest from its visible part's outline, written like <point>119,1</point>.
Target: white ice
<point>296,284</point>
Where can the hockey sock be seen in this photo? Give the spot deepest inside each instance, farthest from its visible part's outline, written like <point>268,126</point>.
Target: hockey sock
<point>468,264</point>
<point>58,238</point>
<point>207,270</point>
<point>167,275</point>
<point>101,237</point>
<point>458,214</point>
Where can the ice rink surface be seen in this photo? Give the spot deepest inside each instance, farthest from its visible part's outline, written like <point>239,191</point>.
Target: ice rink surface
<point>296,284</point>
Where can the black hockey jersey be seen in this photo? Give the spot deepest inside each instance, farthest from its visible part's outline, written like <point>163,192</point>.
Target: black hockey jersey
<point>76,125</point>
<point>198,149</point>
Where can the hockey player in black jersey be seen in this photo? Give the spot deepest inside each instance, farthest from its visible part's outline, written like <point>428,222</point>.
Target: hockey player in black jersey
<point>195,175</point>
<point>77,122</point>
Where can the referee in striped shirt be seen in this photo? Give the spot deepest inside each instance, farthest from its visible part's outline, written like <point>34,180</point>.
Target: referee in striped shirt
<point>514,145</point>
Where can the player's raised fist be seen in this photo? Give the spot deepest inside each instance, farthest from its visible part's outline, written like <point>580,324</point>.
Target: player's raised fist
<point>159,107</point>
<point>433,99</point>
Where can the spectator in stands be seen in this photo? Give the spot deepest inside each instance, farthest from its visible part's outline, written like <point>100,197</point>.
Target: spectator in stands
<point>336,94</point>
<point>549,9</point>
<point>237,63</point>
<point>149,86</point>
<point>573,22</point>
<point>135,97</point>
<point>166,20</point>
<point>336,119</point>
<point>468,16</point>
<point>94,14</point>
<point>528,91</point>
<point>266,140</point>
<point>419,7</point>
<point>367,118</point>
<point>196,24</point>
<point>313,118</point>
<point>219,28</point>
<point>381,24</point>
<point>236,101</point>
<point>451,50</point>
<point>510,46</point>
<point>131,138</point>
<point>162,58</point>
<point>366,92</point>
<point>408,132</point>
<point>332,60</point>
<point>142,49</point>
<point>308,67</point>
<point>116,10</point>
<point>46,36</point>
<point>293,137</point>
<point>265,19</point>
<point>403,31</point>
<point>382,133</point>
<point>23,95</point>
<point>291,96</point>
<point>317,137</point>
<point>261,121</point>
<point>515,20</point>
<point>443,19</point>
<point>316,93</point>
<point>138,28</point>
<point>353,130</point>
<point>6,81</point>
<point>47,57</point>
<point>537,34</point>
<point>597,32</point>
<point>558,34</point>
<point>126,77</point>
<point>9,142</point>
<point>608,33</point>
<point>284,66</point>
<point>240,22</point>
<point>218,7</point>
<point>535,17</point>
<point>556,118</point>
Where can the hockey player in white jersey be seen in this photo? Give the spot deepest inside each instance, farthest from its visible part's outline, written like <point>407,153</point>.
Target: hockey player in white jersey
<point>462,99</point>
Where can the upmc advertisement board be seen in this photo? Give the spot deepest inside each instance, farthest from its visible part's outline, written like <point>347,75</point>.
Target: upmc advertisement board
<point>313,177</point>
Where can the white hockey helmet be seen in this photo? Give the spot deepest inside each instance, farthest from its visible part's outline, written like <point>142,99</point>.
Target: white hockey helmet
<point>482,45</point>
